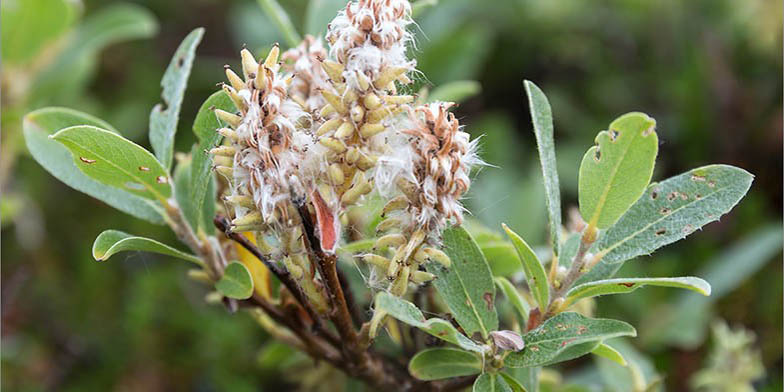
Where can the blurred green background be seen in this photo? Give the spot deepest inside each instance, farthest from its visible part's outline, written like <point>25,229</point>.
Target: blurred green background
<point>709,71</point>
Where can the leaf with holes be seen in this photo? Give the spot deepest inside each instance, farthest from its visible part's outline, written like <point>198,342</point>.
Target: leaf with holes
<point>673,209</point>
<point>164,117</point>
<point>440,363</point>
<point>610,353</point>
<point>236,281</point>
<point>627,285</point>
<point>467,285</point>
<point>56,159</point>
<point>111,242</point>
<point>534,270</point>
<point>408,313</point>
<point>490,382</point>
<point>565,336</point>
<point>615,172</point>
<point>542,117</point>
<point>116,161</point>
<point>205,127</point>
<point>517,301</point>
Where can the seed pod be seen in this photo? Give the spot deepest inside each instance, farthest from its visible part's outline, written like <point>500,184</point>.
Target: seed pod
<point>420,256</point>
<point>225,171</point>
<point>357,113</point>
<point>200,276</point>
<point>336,174</point>
<point>356,190</point>
<point>228,133</point>
<point>372,101</point>
<point>296,271</point>
<point>242,201</point>
<point>366,162</point>
<point>369,130</point>
<point>272,58</point>
<point>327,110</point>
<point>387,224</point>
<point>388,75</point>
<point>335,101</point>
<point>400,285</point>
<point>333,144</point>
<point>234,80</point>
<point>388,240</point>
<point>398,203</point>
<point>333,69</point>
<point>249,64</point>
<point>377,115</point>
<point>226,151</point>
<point>438,256</point>
<point>252,218</point>
<point>363,81</point>
<point>328,126</point>
<point>374,259</point>
<point>230,118</point>
<point>352,155</point>
<point>349,97</point>
<point>223,161</point>
<point>420,277</point>
<point>235,98</point>
<point>376,321</point>
<point>399,99</point>
<point>345,130</point>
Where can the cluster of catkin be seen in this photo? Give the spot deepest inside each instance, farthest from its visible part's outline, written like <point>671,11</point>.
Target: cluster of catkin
<point>329,128</point>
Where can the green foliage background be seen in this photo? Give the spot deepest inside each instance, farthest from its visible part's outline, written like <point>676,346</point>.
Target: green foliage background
<point>709,72</point>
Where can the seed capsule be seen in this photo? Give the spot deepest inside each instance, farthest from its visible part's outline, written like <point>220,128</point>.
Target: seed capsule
<point>249,64</point>
<point>328,126</point>
<point>357,113</point>
<point>438,256</point>
<point>272,58</point>
<point>366,162</point>
<point>379,114</point>
<point>226,151</point>
<point>345,130</point>
<point>333,144</point>
<point>234,80</point>
<point>335,101</point>
<point>352,155</point>
<point>230,118</point>
<point>388,240</point>
<point>353,193</point>
<point>229,133</point>
<point>232,93</point>
<point>395,204</point>
<point>372,101</point>
<point>240,200</point>
<point>401,283</point>
<point>225,171</point>
<point>374,259</point>
<point>199,276</point>
<point>252,218</point>
<point>333,69</point>
<point>369,130</point>
<point>336,174</point>
<point>399,99</point>
<point>327,110</point>
<point>363,81</point>
<point>420,277</point>
<point>223,161</point>
<point>387,224</point>
<point>388,75</point>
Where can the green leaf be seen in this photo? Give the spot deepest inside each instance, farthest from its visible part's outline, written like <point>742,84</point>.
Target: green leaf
<point>610,353</point>
<point>558,335</point>
<point>56,159</point>
<point>573,352</point>
<point>205,127</point>
<point>319,13</point>
<point>542,117</point>
<point>236,281</point>
<point>116,161</point>
<point>281,19</point>
<point>527,377</point>
<point>488,382</point>
<point>615,172</point>
<point>456,91</point>
<point>502,257</point>
<point>673,209</point>
<point>639,373</point>
<point>517,301</point>
<point>65,77</point>
<point>408,313</point>
<point>534,270</point>
<point>439,363</point>
<point>627,285</point>
<point>111,242</point>
<point>27,26</point>
<point>420,6</point>
<point>516,386</point>
<point>198,218</point>
<point>164,117</point>
<point>467,285</point>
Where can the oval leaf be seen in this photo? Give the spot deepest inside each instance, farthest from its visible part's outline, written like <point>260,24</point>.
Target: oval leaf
<point>610,353</point>
<point>163,118</point>
<point>488,382</point>
<point>28,26</point>
<point>566,336</point>
<point>515,385</point>
<point>56,159</point>
<point>627,285</point>
<point>408,313</point>
<point>615,172</point>
<point>116,161</point>
<point>467,285</point>
<point>673,209</point>
<point>542,117</point>
<point>281,19</point>
<point>236,281</point>
<point>111,242</point>
<point>534,270</point>
<point>502,257</point>
<point>439,363</point>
